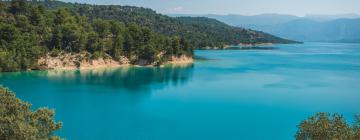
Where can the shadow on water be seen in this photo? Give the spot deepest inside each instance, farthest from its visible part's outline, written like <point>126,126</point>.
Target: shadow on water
<point>86,98</point>
<point>133,79</point>
<point>129,78</point>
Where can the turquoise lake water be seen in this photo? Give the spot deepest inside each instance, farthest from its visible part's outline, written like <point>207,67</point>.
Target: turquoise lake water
<point>230,95</point>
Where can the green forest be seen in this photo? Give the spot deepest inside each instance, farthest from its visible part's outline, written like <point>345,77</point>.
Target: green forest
<point>29,31</point>
<point>200,31</point>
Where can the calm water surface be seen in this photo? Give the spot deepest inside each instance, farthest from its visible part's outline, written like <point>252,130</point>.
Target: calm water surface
<point>234,94</point>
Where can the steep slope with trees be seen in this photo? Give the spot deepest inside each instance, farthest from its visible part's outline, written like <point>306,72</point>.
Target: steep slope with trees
<point>30,32</point>
<point>200,31</point>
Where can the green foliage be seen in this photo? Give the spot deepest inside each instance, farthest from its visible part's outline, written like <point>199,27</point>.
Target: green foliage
<point>28,32</point>
<point>199,31</point>
<point>31,29</point>
<point>19,122</point>
<point>324,126</point>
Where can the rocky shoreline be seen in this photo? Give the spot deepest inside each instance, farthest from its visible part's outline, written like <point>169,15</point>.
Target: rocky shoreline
<point>82,61</point>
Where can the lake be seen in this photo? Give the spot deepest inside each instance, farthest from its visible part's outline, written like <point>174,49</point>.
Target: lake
<point>227,94</point>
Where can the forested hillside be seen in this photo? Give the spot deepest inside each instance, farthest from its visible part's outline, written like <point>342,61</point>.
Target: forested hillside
<point>29,32</point>
<point>200,31</point>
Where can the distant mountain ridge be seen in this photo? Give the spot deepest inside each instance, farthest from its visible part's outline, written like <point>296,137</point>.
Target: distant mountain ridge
<point>319,17</point>
<point>263,19</point>
<point>327,28</point>
<point>339,30</point>
<point>267,18</point>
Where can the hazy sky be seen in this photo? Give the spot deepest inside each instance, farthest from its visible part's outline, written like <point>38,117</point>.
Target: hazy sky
<point>245,7</point>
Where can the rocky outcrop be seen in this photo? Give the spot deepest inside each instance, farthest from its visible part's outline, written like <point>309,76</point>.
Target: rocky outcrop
<point>181,59</point>
<point>67,61</point>
<point>79,61</point>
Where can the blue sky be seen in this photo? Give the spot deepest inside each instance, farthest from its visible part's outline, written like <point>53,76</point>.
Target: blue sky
<point>244,7</point>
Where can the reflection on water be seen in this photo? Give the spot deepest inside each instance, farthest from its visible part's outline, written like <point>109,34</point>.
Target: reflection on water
<point>105,98</point>
<point>128,78</point>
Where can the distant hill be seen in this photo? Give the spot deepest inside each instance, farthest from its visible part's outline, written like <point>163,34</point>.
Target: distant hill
<point>340,30</point>
<point>328,28</point>
<point>263,19</point>
<point>239,20</point>
<point>200,31</point>
<point>318,17</point>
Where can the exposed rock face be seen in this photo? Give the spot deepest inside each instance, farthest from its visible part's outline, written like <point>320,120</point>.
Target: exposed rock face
<point>69,61</point>
<point>79,61</point>
<point>181,59</point>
